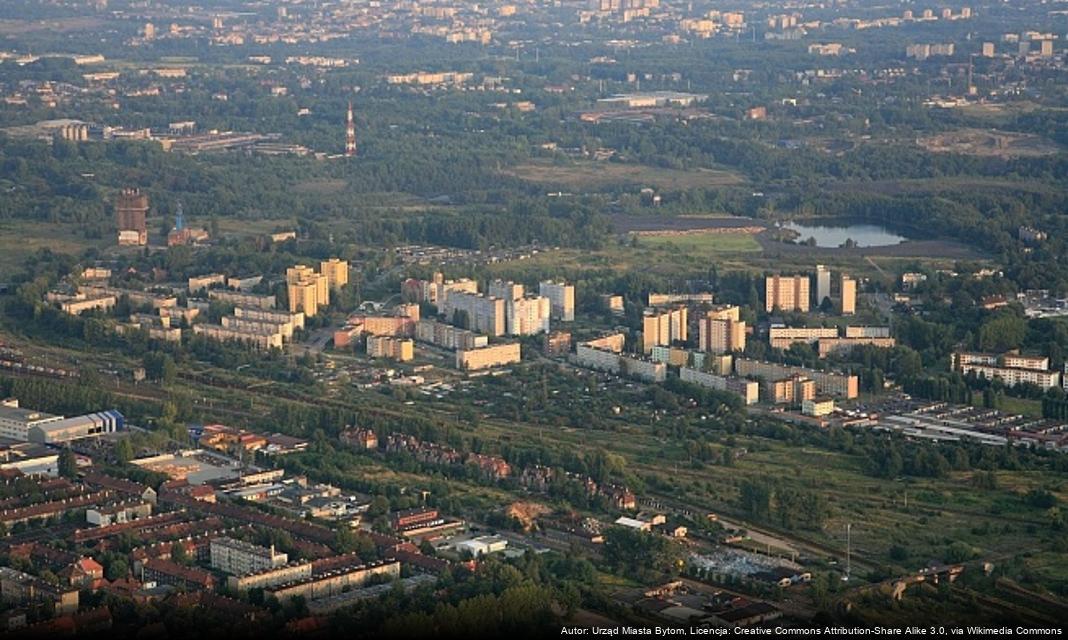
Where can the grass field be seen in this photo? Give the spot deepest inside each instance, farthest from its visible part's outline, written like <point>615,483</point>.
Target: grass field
<point>21,239</point>
<point>595,175</point>
<point>241,227</point>
<point>1022,406</point>
<point>706,244</point>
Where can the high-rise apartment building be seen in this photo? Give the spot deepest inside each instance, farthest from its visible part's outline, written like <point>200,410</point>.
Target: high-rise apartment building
<point>131,209</point>
<point>505,290</point>
<point>483,314</point>
<point>527,316</point>
<point>562,298</point>
<point>307,290</point>
<point>721,331</point>
<point>786,293</point>
<point>823,284</point>
<point>336,272</point>
<point>849,295</point>
<point>661,327</point>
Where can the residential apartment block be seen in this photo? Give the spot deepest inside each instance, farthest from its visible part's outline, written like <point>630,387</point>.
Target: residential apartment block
<point>238,557</point>
<point>307,290</point>
<point>663,299</point>
<point>562,298</point>
<point>827,383</point>
<point>527,316</point>
<point>257,339</point>
<point>1011,368</point>
<point>606,354</point>
<point>849,296</point>
<point>482,314</point>
<point>505,290</point>
<point>721,331</point>
<point>781,337</point>
<point>336,272</point>
<point>241,299</point>
<point>447,336</point>
<point>747,390</point>
<point>661,327</point>
<point>399,349</point>
<point>492,356</point>
<point>786,293</point>
<point>823,284</point>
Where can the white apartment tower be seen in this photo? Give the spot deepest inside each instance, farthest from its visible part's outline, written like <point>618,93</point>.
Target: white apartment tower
<point>562,298</point>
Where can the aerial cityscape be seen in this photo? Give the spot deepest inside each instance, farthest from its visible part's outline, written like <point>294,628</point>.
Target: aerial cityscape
<point>434,318</point>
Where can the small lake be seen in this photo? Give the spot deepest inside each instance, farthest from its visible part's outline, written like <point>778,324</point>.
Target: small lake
<point>834,235</point>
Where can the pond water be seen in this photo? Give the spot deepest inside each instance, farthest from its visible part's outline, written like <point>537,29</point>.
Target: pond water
<point>828,234</point>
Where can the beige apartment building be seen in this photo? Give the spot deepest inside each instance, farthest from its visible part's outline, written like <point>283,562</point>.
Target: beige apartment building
<point>447,336</point>
<point>786,293</point>
<point>257,339</point>
<point>827,383</point>
<point>196,283</point>
<point>238,557</point>
<point>240,299</point>
<point>272,315</point>
<point>336,272</point>
<point>781,337</point>
<point>270,577</point>
<point>721,330</point>
<point>661,327</point>
<point>335,581</point>
<point>258,326</point>
<point>307,290</point>
<point>486,357</point>
<point>792,390</point>
<point>78,306</point>
<point>399,349</point>
<point>849,295</point>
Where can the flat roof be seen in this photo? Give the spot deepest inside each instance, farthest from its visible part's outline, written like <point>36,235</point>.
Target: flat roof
<point>20,414</point>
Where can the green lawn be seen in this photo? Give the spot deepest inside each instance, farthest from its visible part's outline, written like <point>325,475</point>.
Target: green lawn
<point>1022,406</point>
<point>703,243</point>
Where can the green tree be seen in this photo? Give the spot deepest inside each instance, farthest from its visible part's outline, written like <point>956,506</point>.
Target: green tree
<point>68,463</point>
<point>124,451</point>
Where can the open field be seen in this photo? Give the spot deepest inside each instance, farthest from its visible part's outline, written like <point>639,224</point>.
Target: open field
<point>989,143</point>
<point>682,224</point>
<point>320,187</point>
<point>241,227</point>
<point>991,112</point>
<point>20,239</point>
<point>706,244</point>
<point>1022,406</point>
<point>594,175</point>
